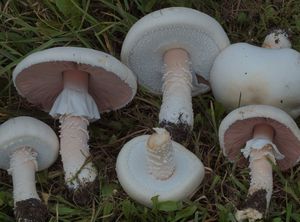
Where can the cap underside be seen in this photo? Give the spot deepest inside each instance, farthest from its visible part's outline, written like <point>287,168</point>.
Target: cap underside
<point>42,83</point>
<point>241,131</point>
<point>146,57</point>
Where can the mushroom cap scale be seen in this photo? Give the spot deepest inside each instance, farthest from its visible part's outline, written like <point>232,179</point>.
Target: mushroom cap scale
<point>244,74</point>
<point>39,78</point>
<point>237,128</point>
<point>26,131</point>
<point>176,27</point>
<point>135,179</point>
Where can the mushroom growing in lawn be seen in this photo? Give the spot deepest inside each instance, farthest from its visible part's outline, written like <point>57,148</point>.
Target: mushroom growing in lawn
<point>264,135</point>
<point>244,74</point>
<point>75,85</point>
<point>172,51</point>
<point>27,145</point>
<point>152,165</point>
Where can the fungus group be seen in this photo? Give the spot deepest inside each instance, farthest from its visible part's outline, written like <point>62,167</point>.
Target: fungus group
<point>177,52</point>
<point>245,74</point>
<point>75,85</point>
<point>264,82</point>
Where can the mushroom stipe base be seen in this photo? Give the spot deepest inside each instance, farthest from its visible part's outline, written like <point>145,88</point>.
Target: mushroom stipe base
<point>84,195</point>
<point>179,132</point>
<point>256,201</point>
<point>31,210</point>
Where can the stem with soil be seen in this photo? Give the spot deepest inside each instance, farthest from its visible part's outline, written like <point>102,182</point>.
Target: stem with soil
<point>261,186</point>
<point>28,206</point>
<point>75,152</point>
<point>75,107</point>
<point>176,112</point>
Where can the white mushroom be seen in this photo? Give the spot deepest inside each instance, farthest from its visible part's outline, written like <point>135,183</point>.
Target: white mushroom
<point>172,51</point>
<point>264,135</point>
<point>75,85</point>
<point>27,145</point>
<point>276,39</point>
<point>149,166</point>
<point>244,74</point>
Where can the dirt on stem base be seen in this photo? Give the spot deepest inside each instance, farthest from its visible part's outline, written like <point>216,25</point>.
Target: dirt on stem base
<point>31,210</point>
<point>254,207</point>
<point>179,132</point>
<point>84,195</point>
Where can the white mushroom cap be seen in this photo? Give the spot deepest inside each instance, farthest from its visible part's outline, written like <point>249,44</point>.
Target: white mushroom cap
<point>176,27</point>
<point>133,174</point>
<point>237,128</point>
<point>277,39</point>
<point>38,77</point>
<point>25,131</point>
<point>244,74</point>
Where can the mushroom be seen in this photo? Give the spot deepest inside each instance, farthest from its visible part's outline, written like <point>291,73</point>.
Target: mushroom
<point>244,74</point>
<point>27,145</point>
<point>154,165</point>
<point>277,39</point>
<point>75,85</point>
<point>172,51</point>
<point>263,135</point>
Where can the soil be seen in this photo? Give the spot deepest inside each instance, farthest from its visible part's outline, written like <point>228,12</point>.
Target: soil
<point>84,195</point>
<point>179,132</point>
<point>31,210</point>
<point>256,201</point>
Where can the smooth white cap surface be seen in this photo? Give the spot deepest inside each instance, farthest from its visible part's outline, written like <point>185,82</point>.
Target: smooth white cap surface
<point>141,186</point>
<point>26,131</point>
<point>176,27</point>
<point>244,74</point>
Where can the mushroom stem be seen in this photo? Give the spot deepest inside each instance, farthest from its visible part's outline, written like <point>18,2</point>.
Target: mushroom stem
<point>260,151</point>
<point>74,107</point>
<point>28,206</point>
<point>75,151</point>
<point>176,112</point>
<point>160,154</point>
<point>23,166</point>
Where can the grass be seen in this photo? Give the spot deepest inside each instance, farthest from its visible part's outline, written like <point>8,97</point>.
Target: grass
<point>27,26</point>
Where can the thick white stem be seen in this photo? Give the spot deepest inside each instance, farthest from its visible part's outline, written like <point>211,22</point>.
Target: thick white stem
<point>177,99</point>
<point>160,154</point>
<point>260,152</point>
<point>23,166</point>
<point>75,151</point>
<point>261,171</point>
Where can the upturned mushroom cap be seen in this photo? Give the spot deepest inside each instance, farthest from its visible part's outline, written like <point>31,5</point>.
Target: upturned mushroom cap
<point>237,128</point>
<point>39,77</point>
<point>176,27</point>
<point>244,74</point>
<point>141,186</point>
<point>26,131</point>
